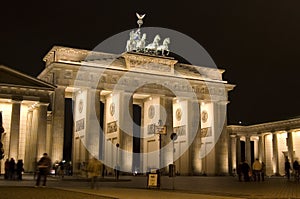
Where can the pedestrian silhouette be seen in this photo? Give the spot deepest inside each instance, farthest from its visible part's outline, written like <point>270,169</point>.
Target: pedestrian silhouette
<point>287,168</point>
<point>11,168</point>
<point>94,170</point>
<point>20,169</point>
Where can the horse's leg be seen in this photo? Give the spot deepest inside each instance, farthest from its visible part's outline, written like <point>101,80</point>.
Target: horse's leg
<point>167,52</point>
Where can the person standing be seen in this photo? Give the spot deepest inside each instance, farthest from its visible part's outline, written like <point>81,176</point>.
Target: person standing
<point>44,165</point>
<point>11,168</point>
<point>296,170</point>
<point>256,167</point>
<point>94,170</point>
<point>287,168</point>
<point>6,166</point>
<point>19,169</point>
<point>245,171</point>
<point>263,168</point>
<point>239,171</point>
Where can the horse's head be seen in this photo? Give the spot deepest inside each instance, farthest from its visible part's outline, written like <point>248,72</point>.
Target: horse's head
<point>166,41</point>
<point>144,36</point>
<point>156,38</point>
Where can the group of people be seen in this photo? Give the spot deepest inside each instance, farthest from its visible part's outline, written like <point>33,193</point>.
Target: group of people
<point>94,169</point>
<point>255,172</point>
<point>13,170</point>
<point>62,168</point>
<point>295,169</point>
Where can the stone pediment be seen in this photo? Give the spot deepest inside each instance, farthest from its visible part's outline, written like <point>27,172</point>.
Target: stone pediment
<point>10,77</point>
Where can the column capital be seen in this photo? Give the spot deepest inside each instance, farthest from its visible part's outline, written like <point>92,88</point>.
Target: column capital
<point>273,131</point>
<point>16,99</point>
<point>42,104</point>
<point>290,130</point>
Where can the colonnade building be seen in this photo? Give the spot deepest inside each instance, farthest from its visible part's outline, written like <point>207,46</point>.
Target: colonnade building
<point>270,142</point>
<point>123,109</point>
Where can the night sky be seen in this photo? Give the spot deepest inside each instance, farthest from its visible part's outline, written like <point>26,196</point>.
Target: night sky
<point>256,42</point>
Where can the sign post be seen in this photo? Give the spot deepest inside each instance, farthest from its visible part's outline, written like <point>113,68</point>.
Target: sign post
<point>153,179</point>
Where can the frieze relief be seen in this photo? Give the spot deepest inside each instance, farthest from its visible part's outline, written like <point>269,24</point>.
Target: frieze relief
<point>112,127</point>
<point>146,82</point>
<point>206,132</point>
<point>159,64</point>
<point>68,74</point>
<point>180,130</point>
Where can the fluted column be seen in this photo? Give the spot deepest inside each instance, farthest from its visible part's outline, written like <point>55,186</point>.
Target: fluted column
<point>275,153</point>
<point>166,156</point>
<point>27,160</point>
<point>58,124</point>
<point>261,148</point>
<point>290,145</point>
<point>233,152</point>
<point>93,125</point>
<point>248,149</point>
<point>125,151</point>
<point>33,137</point>
<point>42,128</point>
<point>238,150</point>
<point>14,129</point>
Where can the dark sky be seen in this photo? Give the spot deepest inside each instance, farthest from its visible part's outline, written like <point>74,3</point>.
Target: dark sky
<point>257,42</point>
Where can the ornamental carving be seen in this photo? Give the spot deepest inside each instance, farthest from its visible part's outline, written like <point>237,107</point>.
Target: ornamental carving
<point>151,112</point>
<point>204,116</point>
<point>112,109</point>
<point>111,127</point>
<point>180,130</point>
<point>178,114</point>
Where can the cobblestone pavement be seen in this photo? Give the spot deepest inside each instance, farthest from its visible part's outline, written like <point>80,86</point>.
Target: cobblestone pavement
<point>136,187</point>
<point>23,192</point>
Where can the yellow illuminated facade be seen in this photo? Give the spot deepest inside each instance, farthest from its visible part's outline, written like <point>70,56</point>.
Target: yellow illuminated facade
<point>124,110</point>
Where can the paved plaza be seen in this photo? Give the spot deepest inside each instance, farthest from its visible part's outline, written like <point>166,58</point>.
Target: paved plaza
<point>136,187</point>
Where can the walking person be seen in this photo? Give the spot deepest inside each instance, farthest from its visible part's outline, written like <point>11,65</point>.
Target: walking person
<point>94,170</point>
<point>256,167</point>
<point>287,168</point>
<point>44,165</point>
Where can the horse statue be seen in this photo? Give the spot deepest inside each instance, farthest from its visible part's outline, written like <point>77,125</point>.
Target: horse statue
<point>164,48</point>
<point>140,45</point>
<point>131,43</point>
<point>152,48</point>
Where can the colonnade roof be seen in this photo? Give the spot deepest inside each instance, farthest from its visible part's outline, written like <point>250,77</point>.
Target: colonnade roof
<point>11,77</point>
<point>19,86</point>
<point>268,127</point>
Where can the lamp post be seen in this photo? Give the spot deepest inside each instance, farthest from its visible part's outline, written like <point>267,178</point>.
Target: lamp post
<point>117,162</point>
<point>172,168</point>
<point>161,130</point>
<point>1,132</point>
